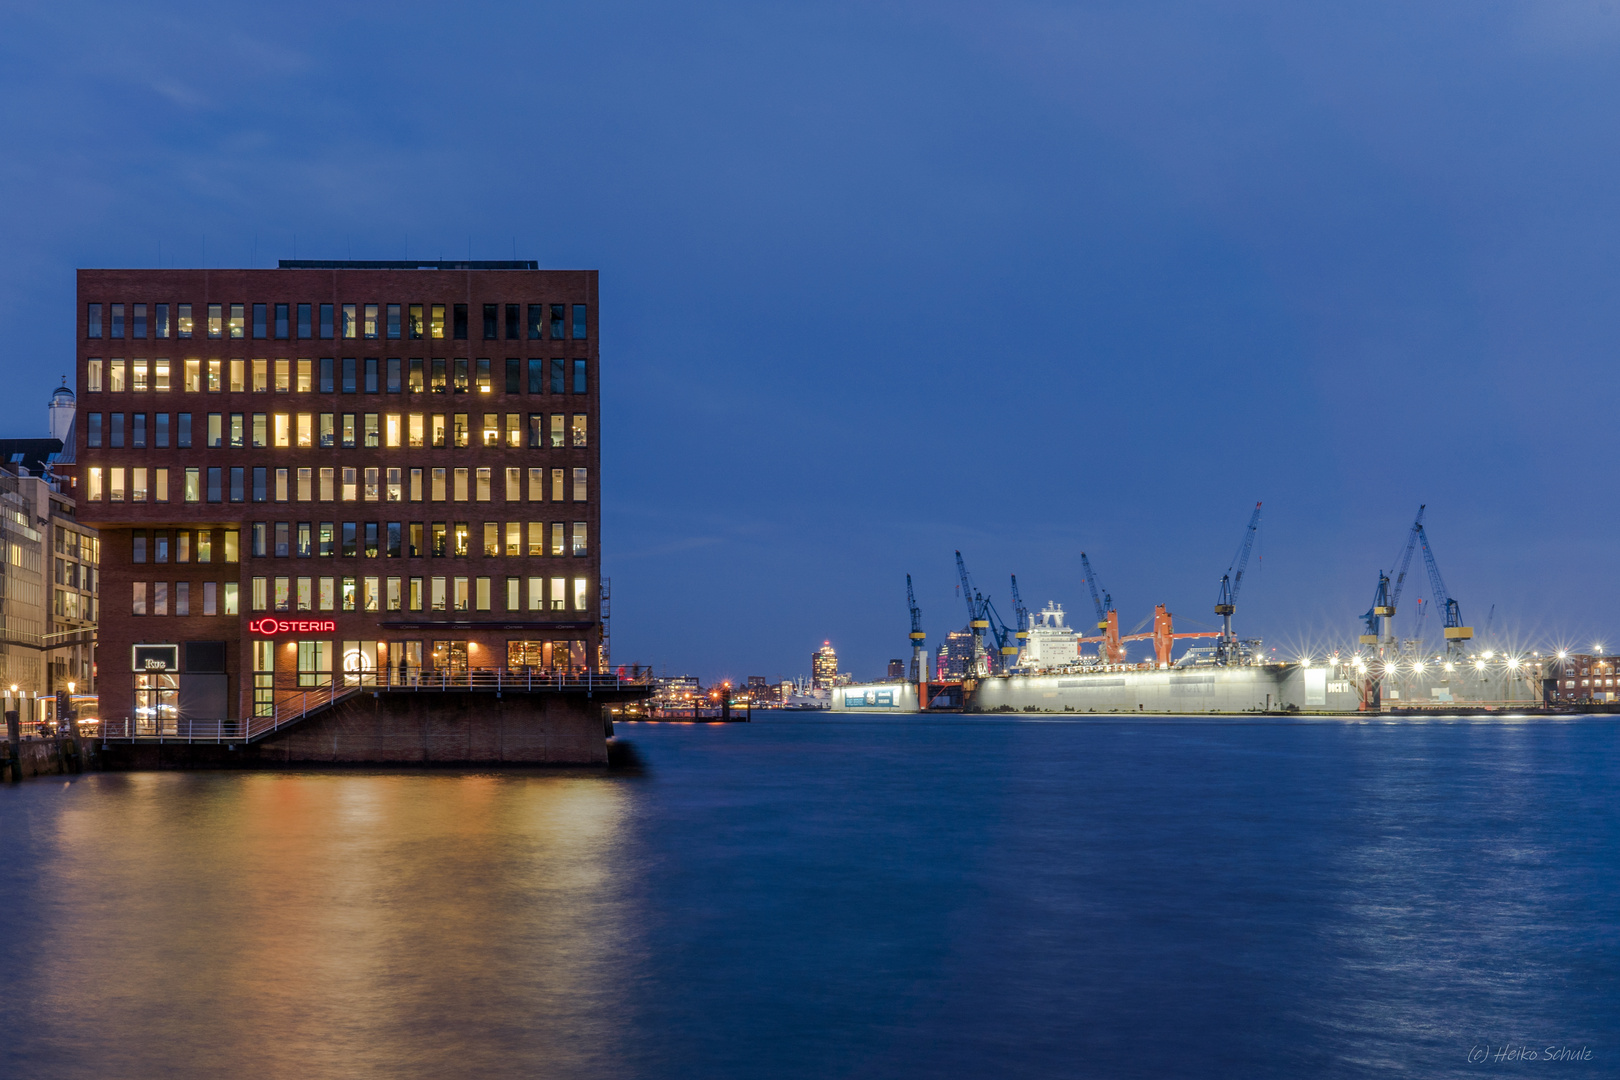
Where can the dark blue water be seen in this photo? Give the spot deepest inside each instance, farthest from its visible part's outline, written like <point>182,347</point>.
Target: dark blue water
<point>816,897</point>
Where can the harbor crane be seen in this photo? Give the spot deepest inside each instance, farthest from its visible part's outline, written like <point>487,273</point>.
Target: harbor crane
<point>1455,632</point>
<point>977,623</point>
<point>919,663</point>
<point>1020,615</point>
<point>1387,597</point>
<point>1111,648</point>
<point>1226,603</point>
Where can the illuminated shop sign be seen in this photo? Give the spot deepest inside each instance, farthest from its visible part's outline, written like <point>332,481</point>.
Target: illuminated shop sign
<point>272,627</point>
<point>156,658</point>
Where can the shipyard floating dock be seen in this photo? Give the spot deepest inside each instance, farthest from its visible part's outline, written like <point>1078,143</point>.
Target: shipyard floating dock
<point>1249,688</point>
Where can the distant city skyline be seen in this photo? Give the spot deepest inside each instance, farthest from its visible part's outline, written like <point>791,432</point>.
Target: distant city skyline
<point>1017,280</point>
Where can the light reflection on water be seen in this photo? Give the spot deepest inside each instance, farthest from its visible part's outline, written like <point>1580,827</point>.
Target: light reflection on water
<point>854,896</point>
<point>324,924</point>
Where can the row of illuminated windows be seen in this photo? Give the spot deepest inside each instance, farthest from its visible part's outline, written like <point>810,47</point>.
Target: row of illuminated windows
<point>309,321</point>
<point>325,430</point>
<point>75,575</point>
<point>158,597</point>
<point>72,605</point>
<point>415,539</point>
<point>412,594</point>
<point>188,546</point>
<point>333,484</point>
<point>77,545</point>
<point>332,375</point>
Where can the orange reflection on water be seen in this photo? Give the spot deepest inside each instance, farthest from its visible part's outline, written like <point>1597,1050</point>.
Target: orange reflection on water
<point>338,924</point>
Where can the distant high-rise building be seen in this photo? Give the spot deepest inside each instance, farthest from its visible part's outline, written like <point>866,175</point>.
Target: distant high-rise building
<point>823,666</point>
<point>897,669</point>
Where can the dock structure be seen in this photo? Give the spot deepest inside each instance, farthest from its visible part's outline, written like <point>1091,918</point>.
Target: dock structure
<point>480,717</point>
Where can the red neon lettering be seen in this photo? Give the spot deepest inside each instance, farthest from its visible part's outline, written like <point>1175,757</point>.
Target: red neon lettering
<point>270,627</point>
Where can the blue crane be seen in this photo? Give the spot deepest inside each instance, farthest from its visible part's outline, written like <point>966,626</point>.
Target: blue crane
<point>1388,594</point>
<point>917,635</point>
<point>1020,614</point>
<point>1231,582</point>
<point>1455,632</point>
<point>1104,603</point>
<point>977,622</point>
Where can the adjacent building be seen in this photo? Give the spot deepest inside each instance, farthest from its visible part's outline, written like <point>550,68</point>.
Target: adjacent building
<point>336,472</point>
<point>823,667</point>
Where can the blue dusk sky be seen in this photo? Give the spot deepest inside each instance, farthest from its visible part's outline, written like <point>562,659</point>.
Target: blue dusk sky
<point>880,281</point>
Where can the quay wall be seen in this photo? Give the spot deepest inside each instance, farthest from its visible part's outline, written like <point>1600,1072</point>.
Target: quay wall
<point>440,728</point>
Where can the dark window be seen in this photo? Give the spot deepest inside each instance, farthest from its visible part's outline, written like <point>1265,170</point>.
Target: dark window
<point>371,540</point>
<point>215,480</point>
<point>491,315</point>
<point>261,313</point>
<point>261,491</point>
<point>393,375</point>
<point>139,318</point>
<point>459,327</point>
<point>579,322</point>
<point>371,374</point>
<point>160,430</point>
<point>416,385</point>
<point>258,542</point>
<point>559,376</point>
<point>350,549</point>
<point>162,319</point>
<point>440,384</point>
<point>92,430</point>
<point>392,549</point>
<point>283,539</point>
<point>393,320</point>
<point>138,431</point>
<point>537,319</point>
<point>117,330</point>
<point>514,328</point>
<point>205,656</point>
<point>236,483</point>
<point>137,547</point>
<point>514,376</point>
<point>304,328</point>
<point>460,385</point>
<point>537,376</point>
<point>349,385</point>
<point>306,543</point>
<point>537,430</point>
<point>579,377</point>
<point>92,320</point>
<point>182,433</point>
<point>326,320</point>
<point>281,322</point>
<point>559,315</point>
<point>326,375</point>
<point>116,433</point>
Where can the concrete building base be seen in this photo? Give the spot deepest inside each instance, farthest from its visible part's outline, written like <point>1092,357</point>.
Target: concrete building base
<point>453,728</point>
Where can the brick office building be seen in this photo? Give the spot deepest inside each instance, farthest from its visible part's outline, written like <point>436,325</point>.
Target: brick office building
<point>343,471</point>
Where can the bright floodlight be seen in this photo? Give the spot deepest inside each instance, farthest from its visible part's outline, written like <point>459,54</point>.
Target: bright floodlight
<point>1417,666</point>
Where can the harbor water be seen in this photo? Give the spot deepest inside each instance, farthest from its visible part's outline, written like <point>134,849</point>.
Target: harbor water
<point>815,895</point>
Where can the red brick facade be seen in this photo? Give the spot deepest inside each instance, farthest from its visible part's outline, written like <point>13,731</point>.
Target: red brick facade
<point>312,489</point>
